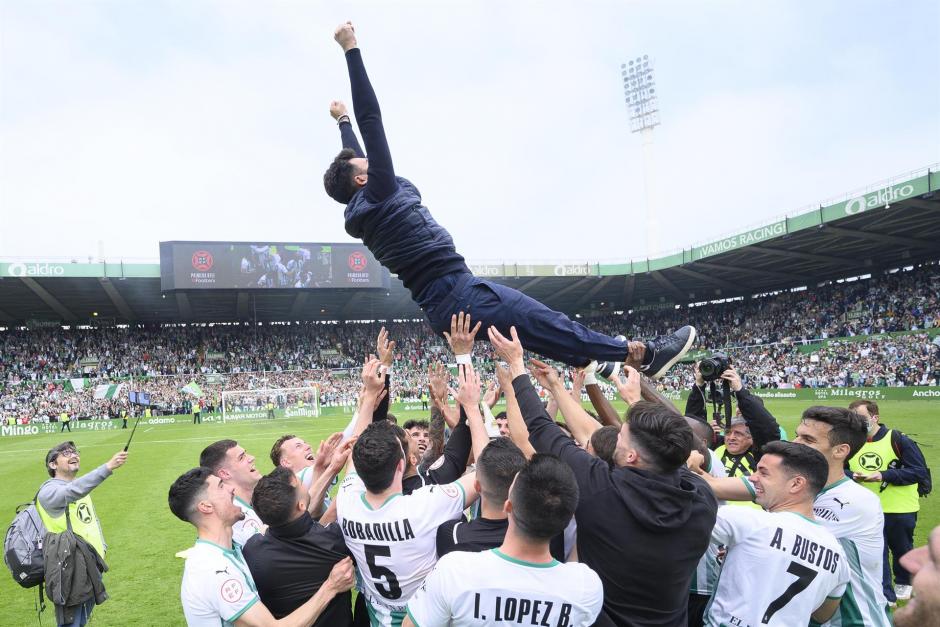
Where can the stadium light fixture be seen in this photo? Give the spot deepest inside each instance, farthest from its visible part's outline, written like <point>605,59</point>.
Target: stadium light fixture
<point>639,92</point>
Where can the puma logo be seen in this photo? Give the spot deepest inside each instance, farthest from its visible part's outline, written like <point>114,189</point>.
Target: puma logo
<point>841,504</point>
<point>224,570</point>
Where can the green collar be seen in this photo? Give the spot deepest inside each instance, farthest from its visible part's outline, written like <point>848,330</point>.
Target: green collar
<point>513,560</point>
<point>832,485</point>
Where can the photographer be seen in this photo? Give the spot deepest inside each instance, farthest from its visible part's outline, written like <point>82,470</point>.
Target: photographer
<point>752,426</point>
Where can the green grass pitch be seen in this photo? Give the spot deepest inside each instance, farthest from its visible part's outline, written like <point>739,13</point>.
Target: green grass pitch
<point>143,535</point>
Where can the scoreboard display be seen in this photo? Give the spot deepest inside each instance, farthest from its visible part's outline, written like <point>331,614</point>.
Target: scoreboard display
<point>266,265</point>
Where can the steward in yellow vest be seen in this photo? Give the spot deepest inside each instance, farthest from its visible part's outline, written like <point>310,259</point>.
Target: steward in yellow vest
<point>891,465</point>
<point>64,492</point>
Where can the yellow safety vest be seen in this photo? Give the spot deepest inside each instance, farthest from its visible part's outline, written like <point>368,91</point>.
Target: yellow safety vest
<point>84,520</point>
<point>64,417</point>
<point>743,467</point>
<point>877,456</point>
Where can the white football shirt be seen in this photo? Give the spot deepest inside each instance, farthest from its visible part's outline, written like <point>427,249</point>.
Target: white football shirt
<point>853,515</point>
<point>706,573</point>
<point>395,545</point>
<point>491,588</point>
<point>247,526</point>
<point>787,564</point>
<point>217,585</point>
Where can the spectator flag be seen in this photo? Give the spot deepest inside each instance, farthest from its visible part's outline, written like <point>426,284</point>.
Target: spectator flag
<point>76,385</point>
<point>193,388</point>
<point>107,391</point>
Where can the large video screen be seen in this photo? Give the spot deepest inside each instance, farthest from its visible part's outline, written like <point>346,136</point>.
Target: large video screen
<point>267,265</point>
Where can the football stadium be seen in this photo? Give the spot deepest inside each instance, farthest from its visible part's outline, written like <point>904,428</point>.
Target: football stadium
<point>376,431</point>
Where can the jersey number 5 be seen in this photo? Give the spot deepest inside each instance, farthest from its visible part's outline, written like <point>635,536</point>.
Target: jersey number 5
<point>392,590</point>
<point>804,577</point>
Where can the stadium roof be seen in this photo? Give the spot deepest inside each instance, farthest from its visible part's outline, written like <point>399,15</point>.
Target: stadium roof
<point>891,224</point>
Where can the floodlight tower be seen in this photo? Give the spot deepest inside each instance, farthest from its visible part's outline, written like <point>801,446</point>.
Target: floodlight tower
<point>639,90</point>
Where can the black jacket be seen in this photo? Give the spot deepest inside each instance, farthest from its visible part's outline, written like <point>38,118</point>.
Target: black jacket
<point>762,424</point>
<point>642,532</point>
<point>289,563</point>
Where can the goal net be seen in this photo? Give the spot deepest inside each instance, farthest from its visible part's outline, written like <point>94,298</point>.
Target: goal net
<point>270,403</point>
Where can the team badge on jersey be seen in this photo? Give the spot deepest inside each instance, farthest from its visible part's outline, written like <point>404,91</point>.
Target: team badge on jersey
<point>232,590</point>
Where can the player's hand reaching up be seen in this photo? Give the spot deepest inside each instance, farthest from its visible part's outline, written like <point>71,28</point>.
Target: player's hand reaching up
<point>338,109</point>
<point>629,388</point>
<point>461,336</point>
<point>508,349</point>
<point>385,349</point>
<point>373,380</point>
<point>545,375</point>
<point>345,36</point>
<point>468,394</point>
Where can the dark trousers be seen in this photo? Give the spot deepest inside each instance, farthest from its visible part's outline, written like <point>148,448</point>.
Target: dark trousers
<point>697,605</point>
<point>899,539</point>
<point>541,330</point>
<point>197,417</point>
<point>66,425</point>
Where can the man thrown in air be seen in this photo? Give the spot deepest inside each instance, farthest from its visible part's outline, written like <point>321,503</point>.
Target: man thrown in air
<point>386,213</point>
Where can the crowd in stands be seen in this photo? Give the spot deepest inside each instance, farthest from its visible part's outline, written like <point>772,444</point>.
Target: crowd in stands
<point>775,341</point>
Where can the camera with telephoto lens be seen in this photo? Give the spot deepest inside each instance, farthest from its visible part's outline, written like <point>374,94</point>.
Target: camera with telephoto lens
<point>711,368</point>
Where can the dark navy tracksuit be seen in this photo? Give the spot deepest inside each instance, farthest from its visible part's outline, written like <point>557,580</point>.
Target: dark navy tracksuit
<point>387,215</point>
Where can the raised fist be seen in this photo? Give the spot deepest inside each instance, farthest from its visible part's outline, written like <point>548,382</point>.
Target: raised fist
<point>338,109</point>
<point>345,36</point>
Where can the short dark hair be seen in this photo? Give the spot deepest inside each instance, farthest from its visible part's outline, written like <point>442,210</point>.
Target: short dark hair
<point>376,454</point>
<point>799,459</point>
<point>213,456</point>
<point>498,465</point>
<point>411,424</point>
<point>186,490</point>
<point>662,435</point>
<point>604,443</point>
<point>544,497</point>
<point>57,450</point>
<point>391,418</point>
<point>274,497</point>
<point>848,427</point>
<point>871,406</point>
<point>501,416</point>
<point>276,451</point>
<point>338,180</point>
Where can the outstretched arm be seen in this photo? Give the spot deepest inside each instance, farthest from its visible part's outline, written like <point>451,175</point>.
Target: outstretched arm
<point>381,182</point>
<point>346,132</point>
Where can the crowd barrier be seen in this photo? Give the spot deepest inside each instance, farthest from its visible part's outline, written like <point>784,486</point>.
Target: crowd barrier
<point>840,396</point>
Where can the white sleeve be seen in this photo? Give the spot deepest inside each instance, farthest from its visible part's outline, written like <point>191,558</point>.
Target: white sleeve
<point>352,483</point>
<point>229,593</point>
<point>444,502</point>
<point>594,593</point>
<point>734,524</point>
<point>430,605</point>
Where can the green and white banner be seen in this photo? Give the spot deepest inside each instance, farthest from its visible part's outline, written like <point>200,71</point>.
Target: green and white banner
<point>76,385</point>
<point>107,391</point>
<point>192,388</point>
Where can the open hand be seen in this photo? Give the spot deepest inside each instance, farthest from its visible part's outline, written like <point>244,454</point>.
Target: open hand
<point>461,336</point>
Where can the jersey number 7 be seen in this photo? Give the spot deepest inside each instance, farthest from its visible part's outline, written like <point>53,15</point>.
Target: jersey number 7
<point>393,589</point>
<point>804,577</point>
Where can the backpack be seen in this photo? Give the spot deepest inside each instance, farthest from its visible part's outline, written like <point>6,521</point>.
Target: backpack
<point>925,485</point>
<point>22,546</point>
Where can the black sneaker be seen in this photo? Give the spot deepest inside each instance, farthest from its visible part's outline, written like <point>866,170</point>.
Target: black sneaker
<point>607,369</point>
<point>662,352</point>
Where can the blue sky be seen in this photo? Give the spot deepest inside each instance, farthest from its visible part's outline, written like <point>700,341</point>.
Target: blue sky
<point>123,123</point>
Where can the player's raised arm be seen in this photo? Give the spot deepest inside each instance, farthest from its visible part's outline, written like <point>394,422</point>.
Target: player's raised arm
<point>380,180</point>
